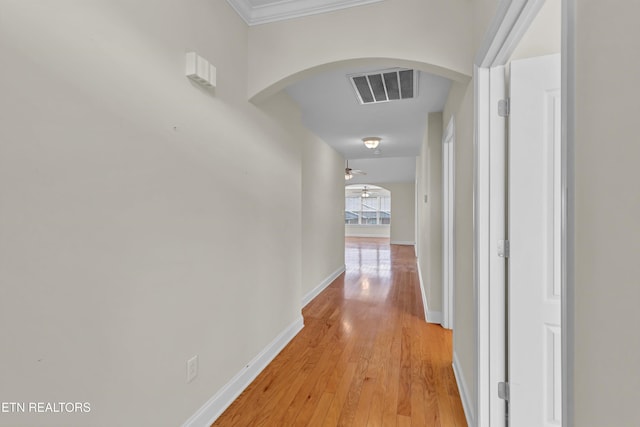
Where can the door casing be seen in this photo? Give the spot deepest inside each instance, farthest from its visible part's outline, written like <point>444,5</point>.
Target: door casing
<point>448,219</point>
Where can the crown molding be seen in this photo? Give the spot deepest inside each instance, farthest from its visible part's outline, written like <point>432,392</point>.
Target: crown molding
<point>288,9</point>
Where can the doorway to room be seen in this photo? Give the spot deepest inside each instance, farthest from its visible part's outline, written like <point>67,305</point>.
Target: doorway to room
<point>520,206</point>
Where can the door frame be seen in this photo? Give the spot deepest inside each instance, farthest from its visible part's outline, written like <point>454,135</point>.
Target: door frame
<point>512,20</point>
<point>449,221</point>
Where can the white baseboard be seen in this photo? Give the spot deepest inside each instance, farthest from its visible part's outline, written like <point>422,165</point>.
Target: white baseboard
<point>464,392</point>
<point>375,236</point>
<point>435,317</point>
<point>423,292</point>
<point>210,411</point>
<point>326,282</point>
<point>429,315</point>
<point>402,242</point>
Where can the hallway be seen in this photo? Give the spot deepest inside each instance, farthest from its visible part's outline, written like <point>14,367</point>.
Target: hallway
<point>365,357</point>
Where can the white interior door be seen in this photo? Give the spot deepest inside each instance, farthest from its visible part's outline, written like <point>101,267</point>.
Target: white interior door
<point>535,243</point>
<point>448,175</point>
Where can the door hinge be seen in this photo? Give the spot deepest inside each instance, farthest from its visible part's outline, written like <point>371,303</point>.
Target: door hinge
<point>503,248</point>
<point>503,391</point>
<point>504,107</point>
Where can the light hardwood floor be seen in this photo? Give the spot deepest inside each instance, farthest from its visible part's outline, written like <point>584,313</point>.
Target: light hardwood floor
<point>365,357</point>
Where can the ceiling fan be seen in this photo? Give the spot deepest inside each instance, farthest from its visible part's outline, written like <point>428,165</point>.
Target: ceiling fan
<point>348,172</point>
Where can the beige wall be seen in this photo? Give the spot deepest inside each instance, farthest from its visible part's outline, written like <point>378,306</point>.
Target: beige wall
<point>322,211</point>
<point>607,212</point>
<point>434,214</point>
<point>144,220</point>
<point>432,33</point>
<point>460,105</point>
<point>484,12</point>
<point>422,236</point>
<point>403,211</point>
<point>429,179</point>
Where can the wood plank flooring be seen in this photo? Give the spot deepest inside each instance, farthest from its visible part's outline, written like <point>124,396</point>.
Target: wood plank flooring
<point>365,357</point>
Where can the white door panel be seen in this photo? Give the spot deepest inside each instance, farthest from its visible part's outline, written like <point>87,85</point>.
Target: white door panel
<point>535,245</point>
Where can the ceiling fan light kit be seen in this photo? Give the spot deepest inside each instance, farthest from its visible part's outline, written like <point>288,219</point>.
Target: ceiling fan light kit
<point>371,142</point>
<point>348,172</point>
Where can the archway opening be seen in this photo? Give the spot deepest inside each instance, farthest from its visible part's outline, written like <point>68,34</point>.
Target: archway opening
<point>367,211</point>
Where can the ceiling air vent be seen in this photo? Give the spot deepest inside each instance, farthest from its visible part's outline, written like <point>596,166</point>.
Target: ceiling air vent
<point>383,86</point>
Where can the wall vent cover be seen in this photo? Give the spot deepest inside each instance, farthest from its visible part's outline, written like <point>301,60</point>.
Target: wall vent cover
<point>384,86</point>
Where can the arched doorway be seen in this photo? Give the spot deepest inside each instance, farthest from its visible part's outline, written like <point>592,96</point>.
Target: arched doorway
<point>367,211</point>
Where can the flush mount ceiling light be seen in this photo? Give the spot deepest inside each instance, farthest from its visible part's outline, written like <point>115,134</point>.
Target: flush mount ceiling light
<point>371,142</point>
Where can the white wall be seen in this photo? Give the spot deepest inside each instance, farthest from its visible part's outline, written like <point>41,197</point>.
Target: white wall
<point>144,220</point>
<point>607,212</point>
<point>322,212</point>
<point>434,33</point>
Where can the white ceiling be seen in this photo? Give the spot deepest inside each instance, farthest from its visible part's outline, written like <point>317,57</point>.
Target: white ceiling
<point>330,110</point>
<point>384,170</point>
<point>262,11</point>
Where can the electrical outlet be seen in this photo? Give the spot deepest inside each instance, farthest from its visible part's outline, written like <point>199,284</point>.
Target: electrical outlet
<point>192,368</point>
